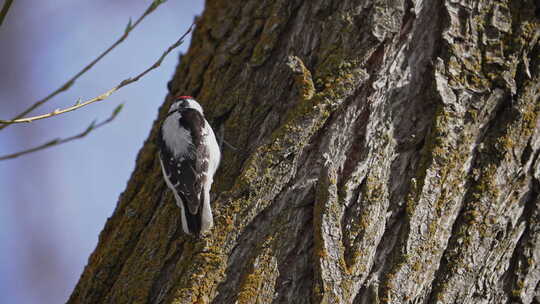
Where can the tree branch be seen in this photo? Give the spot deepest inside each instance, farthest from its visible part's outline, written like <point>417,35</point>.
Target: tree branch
<point>71,81</point>
<point>5,9</point>
<point>103,96</point>
<point>58,141</point>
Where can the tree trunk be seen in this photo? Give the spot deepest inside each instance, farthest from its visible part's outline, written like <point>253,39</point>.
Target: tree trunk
<point>387,152</point>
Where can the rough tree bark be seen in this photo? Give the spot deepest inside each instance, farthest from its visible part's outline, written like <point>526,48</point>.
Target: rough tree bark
<point>387,153</point>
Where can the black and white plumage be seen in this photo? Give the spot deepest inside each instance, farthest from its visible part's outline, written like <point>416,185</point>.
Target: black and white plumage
<point>189,157</point>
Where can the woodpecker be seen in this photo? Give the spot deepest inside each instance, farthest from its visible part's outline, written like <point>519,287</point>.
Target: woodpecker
<point>189,156</point>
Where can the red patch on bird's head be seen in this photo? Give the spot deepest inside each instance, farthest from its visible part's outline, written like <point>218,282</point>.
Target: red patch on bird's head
<point>183,97</point>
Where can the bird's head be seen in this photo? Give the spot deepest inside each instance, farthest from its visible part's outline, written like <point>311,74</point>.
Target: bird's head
<point>182,103</point>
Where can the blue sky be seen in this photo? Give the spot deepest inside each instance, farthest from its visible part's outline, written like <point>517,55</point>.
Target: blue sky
<point>54,203</point>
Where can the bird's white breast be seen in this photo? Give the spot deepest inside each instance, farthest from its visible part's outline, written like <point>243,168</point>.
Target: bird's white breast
<point>177,139</point>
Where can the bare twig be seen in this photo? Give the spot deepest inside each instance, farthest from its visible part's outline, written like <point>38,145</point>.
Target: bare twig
<point>58,141</point>
<point>103,96</point>
<point>71,81</point>
<point>4,11</point>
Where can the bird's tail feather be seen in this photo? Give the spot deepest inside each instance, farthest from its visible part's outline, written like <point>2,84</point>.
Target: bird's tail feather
<point>193,221</point>
<point>200,221</point>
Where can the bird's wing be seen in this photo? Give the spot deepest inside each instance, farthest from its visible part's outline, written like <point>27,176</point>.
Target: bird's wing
<point>188,174</point>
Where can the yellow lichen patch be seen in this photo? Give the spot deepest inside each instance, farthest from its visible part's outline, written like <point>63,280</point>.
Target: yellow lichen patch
<point>302,77</point>
<point>273,27</point>
<point>257,284</point>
